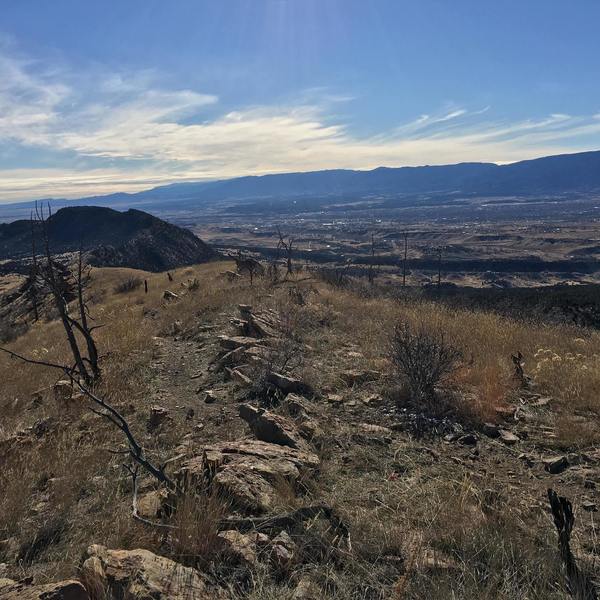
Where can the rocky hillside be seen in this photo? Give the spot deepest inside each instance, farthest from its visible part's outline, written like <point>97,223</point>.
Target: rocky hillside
<point>300,459</point>
<point>110,238</point>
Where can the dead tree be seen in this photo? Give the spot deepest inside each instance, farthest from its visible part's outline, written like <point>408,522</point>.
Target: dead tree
<point>82,325</point>
<point>439,255</point>
<point>371,273</point>
<point>61,284</point>
<point>578,583</point>
<point>405,234</point>
<point>248,265</point>
<point>33,277</point>
<point>99,406</point>
<point>287,246</point>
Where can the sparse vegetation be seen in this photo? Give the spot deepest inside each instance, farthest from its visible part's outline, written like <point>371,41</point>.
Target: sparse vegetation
<point>423,359</point>
<point>128,285</point>
<point>426,518</point>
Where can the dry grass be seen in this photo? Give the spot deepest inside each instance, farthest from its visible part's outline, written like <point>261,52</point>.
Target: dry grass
<point>562,360</point>
<point>486,543</point>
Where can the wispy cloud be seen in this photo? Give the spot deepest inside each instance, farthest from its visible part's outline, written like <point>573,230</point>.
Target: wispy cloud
<point>126,131</point>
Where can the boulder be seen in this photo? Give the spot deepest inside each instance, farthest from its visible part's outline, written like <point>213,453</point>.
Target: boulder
<point>508,437</point>
<point>272,428</point>
<point>283,551</point>
<point>150,504</point>
<point>168,295</point>
<point>264,324</point>
<point>158,416</point>
<point>230,358</point>
<point>491,430</point>
<point>242,548</point>
<point>555,464</point>
<point>210,397</point>
<point>288,385</point>
<point>24,590</point>
<point>376,429</point>
<point>357,376</point>
<point>239,377</point>
<point>137,574</point>
<point>238,341</point>
<point>247,472</point>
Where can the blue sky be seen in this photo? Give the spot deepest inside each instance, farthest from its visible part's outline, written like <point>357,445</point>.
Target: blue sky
<point>110,95</point>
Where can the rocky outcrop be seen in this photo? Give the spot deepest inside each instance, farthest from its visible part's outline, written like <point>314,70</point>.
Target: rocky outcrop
<point>272,428</point>
<point>261,324</point>
<point>247,472</point>
<point>137,574</point>
<point>288,385</point>
<point>24,590</point>
<point>242,548</point>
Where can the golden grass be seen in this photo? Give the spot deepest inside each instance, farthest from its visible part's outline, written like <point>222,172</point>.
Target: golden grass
<point>448,513</point>
<point>562,360</point>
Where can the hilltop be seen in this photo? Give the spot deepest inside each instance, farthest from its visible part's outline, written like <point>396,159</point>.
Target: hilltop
<point>110,238</point>
<point>307,466</point>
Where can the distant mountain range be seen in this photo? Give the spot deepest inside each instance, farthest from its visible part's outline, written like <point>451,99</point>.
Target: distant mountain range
<point>110,238</point>
<point>550,175</point>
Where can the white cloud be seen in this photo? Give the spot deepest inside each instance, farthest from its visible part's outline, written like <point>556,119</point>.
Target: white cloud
<point>152,135</point>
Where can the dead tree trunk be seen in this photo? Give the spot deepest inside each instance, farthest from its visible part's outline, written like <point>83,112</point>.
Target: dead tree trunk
<point>371,272</point>
<point>83,326</point>
<point>33,278</point>
<point>405,257</point>
<point>439,281</point>
<point>59,285</point>
<point>578,583</point>
<point>287,246</point>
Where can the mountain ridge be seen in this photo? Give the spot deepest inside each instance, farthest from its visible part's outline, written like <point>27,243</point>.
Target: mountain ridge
<point>577,172</point>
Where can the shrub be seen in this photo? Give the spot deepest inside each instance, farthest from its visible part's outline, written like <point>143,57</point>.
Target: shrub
<point>9,332</point>
<point>128,285</point>
<point>335,277</point>
<point>423,359</point>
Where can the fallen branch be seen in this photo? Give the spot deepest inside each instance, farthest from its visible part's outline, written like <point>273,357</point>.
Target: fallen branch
<point>136,451</point>
<point>133,471</point>
<point>287,520</point>
<point>32,361</point>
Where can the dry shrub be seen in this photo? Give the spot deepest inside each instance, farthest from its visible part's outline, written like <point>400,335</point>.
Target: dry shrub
<point>423,359</point>
<point>9,332</point>
<point>128,285</point>
<point>487,340</point>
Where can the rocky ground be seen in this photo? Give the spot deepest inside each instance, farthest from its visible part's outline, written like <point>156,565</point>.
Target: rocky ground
<point>308,488</point>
